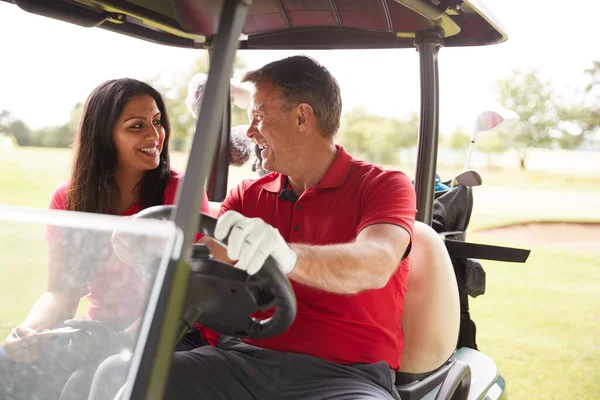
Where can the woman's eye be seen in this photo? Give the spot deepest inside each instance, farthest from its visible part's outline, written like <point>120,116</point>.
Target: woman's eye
<point>157,122</point>
<point>136,126</point>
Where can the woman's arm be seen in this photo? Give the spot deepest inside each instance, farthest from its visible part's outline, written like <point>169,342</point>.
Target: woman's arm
<point>58,303</point>
<point>61,298</point>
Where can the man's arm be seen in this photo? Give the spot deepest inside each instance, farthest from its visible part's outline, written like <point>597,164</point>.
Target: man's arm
<point>387,206</point>
<point>387,209</point>
<point>218,251</point>
<point>350,268</point>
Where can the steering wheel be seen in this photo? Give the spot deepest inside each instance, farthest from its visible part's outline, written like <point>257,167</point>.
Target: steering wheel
<point>222,297</point>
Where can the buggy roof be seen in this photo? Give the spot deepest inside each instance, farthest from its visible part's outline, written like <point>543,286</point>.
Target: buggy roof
<point>284,24</point>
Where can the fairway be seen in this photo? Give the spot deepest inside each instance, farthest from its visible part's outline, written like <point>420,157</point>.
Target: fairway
<point>539,321</point>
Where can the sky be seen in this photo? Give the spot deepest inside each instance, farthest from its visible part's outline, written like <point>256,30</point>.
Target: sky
<point>47,66</point>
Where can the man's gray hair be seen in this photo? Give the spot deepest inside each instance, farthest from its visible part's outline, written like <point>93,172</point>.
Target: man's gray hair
<point>300,79</point>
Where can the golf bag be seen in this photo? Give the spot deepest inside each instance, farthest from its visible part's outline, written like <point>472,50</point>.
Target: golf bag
<point>451,215</point>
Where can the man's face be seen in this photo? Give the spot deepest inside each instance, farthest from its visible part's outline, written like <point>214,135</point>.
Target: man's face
<point>274,130</point>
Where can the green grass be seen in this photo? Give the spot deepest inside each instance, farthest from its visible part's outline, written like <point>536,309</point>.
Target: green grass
<point>539,321</point>
<point>29,175</point>
<point>516,178</point>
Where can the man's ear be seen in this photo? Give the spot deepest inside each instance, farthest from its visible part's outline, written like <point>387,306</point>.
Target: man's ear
<point>305,116</point>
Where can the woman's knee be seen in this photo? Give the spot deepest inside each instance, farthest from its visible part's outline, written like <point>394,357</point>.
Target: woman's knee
<point>110,376</point>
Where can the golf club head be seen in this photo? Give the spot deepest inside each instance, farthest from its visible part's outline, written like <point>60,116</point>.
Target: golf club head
<point>491,121</point>
<point>468,178</point>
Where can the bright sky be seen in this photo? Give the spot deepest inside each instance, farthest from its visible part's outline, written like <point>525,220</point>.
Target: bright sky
<point>47,66</point>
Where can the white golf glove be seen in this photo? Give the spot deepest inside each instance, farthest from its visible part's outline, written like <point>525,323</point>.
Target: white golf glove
<point>251,241</point>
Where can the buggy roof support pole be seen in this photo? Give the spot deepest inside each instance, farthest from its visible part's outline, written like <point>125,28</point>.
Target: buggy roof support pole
<point>154,349</point>
<point>216,188</point>
<point>428,44</point>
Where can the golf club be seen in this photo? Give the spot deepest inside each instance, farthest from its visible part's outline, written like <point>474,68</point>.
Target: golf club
<point>467,178</point>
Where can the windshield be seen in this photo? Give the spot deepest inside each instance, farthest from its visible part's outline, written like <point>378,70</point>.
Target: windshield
<point>100,269</point>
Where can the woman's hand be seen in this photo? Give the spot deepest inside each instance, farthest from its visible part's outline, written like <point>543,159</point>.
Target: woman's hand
<point>23,349</point>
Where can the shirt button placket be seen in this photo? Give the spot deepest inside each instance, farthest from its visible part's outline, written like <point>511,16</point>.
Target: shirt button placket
<point>296,225</point>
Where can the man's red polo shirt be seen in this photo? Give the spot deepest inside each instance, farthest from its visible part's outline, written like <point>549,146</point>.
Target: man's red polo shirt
<point>353,194</point>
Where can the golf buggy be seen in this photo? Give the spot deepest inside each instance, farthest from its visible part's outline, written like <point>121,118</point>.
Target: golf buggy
<point>187,286</point>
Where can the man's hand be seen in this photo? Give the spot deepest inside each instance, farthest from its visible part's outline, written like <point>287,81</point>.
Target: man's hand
<point>251,241</point>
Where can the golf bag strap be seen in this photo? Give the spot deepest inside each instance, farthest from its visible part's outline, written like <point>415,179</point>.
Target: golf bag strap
<point>460,249</point>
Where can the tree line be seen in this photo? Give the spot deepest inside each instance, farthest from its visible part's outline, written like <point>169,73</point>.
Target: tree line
<point>544,120</point>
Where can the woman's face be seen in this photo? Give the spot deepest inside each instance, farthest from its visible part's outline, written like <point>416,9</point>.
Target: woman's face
<point>138,135</point>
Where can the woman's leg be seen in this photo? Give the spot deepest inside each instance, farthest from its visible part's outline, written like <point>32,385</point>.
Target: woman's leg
<point>78,384</point>
<point>110,377</point>
<point>111,374</point>
<point>12,374</point>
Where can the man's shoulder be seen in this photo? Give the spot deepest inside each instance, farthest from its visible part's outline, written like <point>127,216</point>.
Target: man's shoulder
<point>369,173</point>
<point>257,184</point>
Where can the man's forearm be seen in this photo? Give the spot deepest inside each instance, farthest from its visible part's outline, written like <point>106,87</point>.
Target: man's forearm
<point>344,268</point>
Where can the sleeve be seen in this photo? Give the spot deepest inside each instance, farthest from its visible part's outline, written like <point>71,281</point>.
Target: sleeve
<point>58,201</point>
<point>389,198</point>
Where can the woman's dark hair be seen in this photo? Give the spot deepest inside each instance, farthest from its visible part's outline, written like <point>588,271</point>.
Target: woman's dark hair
<point>92,187</point>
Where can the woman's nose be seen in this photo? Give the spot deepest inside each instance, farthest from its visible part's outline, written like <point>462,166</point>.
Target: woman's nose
<point>152,133</point>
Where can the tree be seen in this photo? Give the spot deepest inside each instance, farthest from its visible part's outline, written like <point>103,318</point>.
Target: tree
<point>586,115</point>
<point>76,113</point>
<point>15,127</point>
<point>594,74</point>
<point>459,140</point>
<point>175,89</point>
<point>534,100</point>
<point>54,136</point>
<point>493,143</point>
<point>376,138</point>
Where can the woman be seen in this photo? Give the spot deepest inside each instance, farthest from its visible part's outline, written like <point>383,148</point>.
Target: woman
<point>121,166</point>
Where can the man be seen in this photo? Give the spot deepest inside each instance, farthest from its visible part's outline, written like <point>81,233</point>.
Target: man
<point>340,228</point>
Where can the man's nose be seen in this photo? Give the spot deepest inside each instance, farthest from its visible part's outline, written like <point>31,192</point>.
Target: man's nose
<point>252,131</point>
